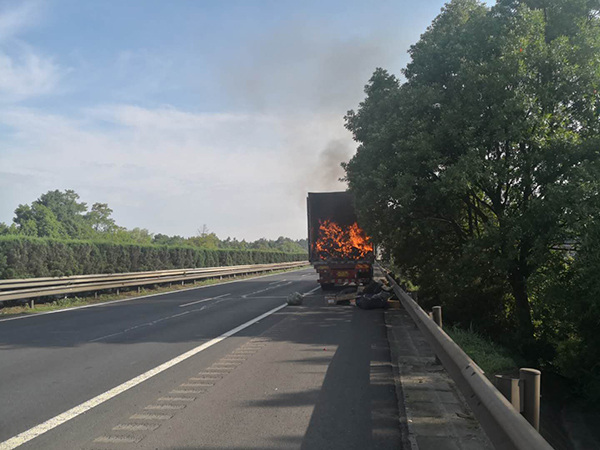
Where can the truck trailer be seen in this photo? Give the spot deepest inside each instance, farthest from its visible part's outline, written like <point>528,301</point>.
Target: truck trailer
<point>339,250</point>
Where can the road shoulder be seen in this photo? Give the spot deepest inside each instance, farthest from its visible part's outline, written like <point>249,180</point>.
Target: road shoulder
<point>437,416</point>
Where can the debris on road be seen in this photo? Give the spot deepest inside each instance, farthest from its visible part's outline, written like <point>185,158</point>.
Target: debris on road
<point>376,295</point>
<point>374,287</point>
<point>346,296</point>
<point>295,299</point>
<point>373,301</point>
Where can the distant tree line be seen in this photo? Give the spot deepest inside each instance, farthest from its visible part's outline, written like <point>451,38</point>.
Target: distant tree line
<point>25,257</point>
<point>61,215</point>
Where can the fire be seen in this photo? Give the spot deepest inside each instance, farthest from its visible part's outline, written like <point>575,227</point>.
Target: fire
<point>341,243</point>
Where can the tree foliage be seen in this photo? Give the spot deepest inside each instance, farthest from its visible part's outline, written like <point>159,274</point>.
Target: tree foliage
<point>479,173</point>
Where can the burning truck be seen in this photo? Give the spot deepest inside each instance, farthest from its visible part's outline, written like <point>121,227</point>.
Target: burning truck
<point>339,249</point>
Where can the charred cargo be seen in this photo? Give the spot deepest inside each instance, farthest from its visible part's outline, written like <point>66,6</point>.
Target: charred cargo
<point>338,248</point>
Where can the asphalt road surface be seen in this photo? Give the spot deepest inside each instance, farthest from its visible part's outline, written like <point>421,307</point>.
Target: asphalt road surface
<point>219,367</point>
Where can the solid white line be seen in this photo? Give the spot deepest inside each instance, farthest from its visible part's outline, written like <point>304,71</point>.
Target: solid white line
<point>280,281</point>
<point>204,300</point>
<point>29,316</point>
<point>54,422</point>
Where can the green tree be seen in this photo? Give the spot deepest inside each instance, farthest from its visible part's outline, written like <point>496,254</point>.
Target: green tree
<point>209,241</point>
<point>99,218</point>
<point>37,220</point>
<point>477,170</point>
<point>68,211</point>
<point>6,230</point>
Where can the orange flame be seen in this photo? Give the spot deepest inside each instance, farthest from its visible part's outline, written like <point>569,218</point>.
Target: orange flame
<point>341,243</point>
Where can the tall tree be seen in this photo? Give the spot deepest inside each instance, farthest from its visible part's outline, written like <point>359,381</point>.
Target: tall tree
<point>481,165</point>
<point>68,211</point>
<point>99,218</point>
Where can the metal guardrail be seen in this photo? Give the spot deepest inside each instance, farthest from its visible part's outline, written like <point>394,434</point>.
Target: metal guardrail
<point>18,289</point>
<point>505,426</point>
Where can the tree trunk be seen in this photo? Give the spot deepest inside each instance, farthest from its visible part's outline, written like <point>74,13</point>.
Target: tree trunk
<point>518,282</point>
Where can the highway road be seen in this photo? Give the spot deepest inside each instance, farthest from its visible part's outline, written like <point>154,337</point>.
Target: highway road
<point>220,367</point>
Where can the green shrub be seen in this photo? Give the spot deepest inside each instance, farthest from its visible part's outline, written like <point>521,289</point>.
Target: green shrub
<point>26,257</point>
<point>491,357</point>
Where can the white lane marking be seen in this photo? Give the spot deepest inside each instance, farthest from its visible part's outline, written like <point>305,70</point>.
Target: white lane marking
<point>29,316</point>
<point>135,427</point>
<point>311,291</point>
<point>151,416</point>
<point>204,300</point>
<point>118,439</point>
<point>187,391</point>
<point>147,324</point>
<point>267,289</point>
<point>54,422</point>
<point>279,281</point>
<point>127,330</point>
<point>163,407</point>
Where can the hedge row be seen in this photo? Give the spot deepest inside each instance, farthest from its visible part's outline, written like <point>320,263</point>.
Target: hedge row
<point>23,257</point>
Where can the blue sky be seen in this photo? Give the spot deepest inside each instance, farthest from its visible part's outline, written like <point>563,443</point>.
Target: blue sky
<point>183,113</point>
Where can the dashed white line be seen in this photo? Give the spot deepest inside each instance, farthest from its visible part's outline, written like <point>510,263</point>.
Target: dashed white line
<point>187,391</point>
<point>163,407</point>
<point>204,300</point>
<point>118,439</point>
<point>54,422</point>
<point>135,427</point>
<point>267,289</point>
<point>147,324</point>
<point>58,311</point>
<point>175,399</point>
<point>151,416</point>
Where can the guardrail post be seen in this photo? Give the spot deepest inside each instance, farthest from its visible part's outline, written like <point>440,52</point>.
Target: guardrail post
<point>509,387</point>
<point>118,291</point>
<point>437,315</point>
<point>530,381</point>
<point>31,303</point>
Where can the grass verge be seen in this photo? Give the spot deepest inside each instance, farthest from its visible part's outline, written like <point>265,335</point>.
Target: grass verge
<point>493,359</point>
<point>72,302</point>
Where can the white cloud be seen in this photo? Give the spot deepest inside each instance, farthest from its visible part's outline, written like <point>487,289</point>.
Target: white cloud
<point>27,75</point>
<point>171,171</point>
<point>24,72</point>
<point>16,19</point>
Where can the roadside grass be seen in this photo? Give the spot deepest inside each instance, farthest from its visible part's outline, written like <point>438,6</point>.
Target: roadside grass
<point>72,302</point>
<point>493,358</point>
